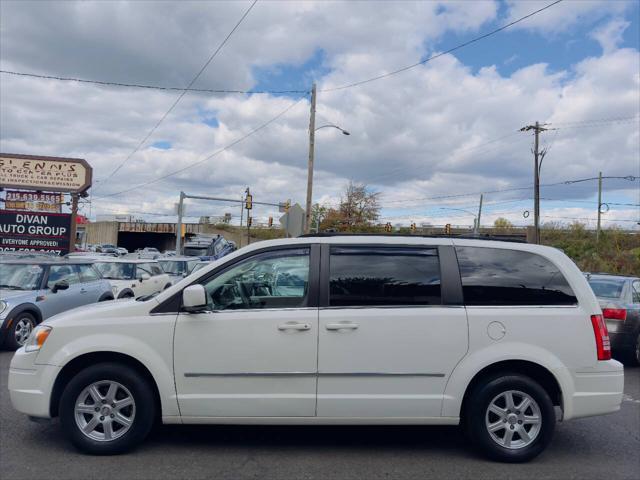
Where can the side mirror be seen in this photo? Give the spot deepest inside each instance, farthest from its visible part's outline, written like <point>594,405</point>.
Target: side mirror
<point>194,298</point>
<point>145,276</point>
<point>61,285</point>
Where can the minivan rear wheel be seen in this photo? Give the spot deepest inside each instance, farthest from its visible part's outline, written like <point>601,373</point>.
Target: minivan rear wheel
<point>510,418</point>
<point>107,408</point>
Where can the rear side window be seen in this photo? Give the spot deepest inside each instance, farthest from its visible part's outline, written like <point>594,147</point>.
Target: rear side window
<point>378,276</point>
<point>492,276</point>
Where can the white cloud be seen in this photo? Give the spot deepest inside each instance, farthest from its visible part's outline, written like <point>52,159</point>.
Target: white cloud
<point>415,135</point>
<point>609,35</point>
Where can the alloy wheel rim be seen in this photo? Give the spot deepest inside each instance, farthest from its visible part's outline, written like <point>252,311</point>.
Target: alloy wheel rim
<point>513,419</point>
<point>105,411</point>
<point>23,330</point>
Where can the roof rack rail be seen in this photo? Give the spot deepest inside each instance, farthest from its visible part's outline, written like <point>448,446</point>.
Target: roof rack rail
<point>495,238</point>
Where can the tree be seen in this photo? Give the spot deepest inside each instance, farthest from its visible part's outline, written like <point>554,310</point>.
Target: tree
<point>502,223</point>
<point>358,210</point>
<point>318,213</point>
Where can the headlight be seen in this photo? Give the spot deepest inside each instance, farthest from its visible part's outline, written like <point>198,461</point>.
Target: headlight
<point>37,338</point>
<point>3,306</point>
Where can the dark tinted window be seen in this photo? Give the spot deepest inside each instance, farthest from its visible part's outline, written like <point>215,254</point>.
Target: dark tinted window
<point>361,276</point>
<point>635,293</point>
<point>492,276</point>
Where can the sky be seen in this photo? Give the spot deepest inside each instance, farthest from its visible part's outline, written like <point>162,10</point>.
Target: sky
<point>430,139</point>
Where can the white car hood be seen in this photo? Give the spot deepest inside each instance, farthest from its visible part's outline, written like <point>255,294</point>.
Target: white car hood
<point>103,310</point>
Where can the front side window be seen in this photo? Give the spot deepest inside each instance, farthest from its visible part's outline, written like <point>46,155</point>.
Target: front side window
<point>59,273</point>
<point>151,269</point>
<point>277,279</point>
<point>363,276</point>
<point>493,276</point>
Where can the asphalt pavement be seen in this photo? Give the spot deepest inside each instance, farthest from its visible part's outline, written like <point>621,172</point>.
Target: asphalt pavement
<point>603,447</point>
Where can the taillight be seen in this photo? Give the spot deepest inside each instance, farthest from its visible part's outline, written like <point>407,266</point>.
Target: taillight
<point>614,314</point>
<point>603,345</point>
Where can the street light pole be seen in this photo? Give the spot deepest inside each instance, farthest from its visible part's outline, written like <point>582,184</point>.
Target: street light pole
<point>312,139</point>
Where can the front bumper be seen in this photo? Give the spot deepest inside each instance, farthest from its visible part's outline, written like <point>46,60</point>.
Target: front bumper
<point>30,385</point>
<point>596,391</point>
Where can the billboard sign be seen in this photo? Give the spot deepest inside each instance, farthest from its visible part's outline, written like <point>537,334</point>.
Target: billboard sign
<point>30,172</point>
<point>35,232</point>
<point>34,201</point>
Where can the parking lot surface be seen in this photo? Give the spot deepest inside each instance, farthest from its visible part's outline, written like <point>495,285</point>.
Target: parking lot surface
<point>601,448</point>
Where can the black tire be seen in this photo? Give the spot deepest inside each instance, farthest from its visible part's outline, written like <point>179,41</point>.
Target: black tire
<point>143,419</point>
<point>16,339</point>
<point>167,286</point>
<point>476,415</point>
<point>634,353</point>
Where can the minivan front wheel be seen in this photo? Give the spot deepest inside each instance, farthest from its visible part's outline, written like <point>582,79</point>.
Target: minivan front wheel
<point>511,418</point>
<point>107,408</point>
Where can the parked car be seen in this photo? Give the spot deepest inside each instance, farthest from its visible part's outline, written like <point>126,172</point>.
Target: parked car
<point>148,252</point>
<point>619,297</point>
<point>106,248</point>
<point>178,267</point>
<point>208,247</point>
<point>132,278</point>
<point>336,330</point>
<point>122,251</point>
<point>34,288</point>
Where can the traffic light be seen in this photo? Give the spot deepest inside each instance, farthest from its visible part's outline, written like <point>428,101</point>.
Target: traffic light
<point>270,222</point>
<point>447,229</point>
<point>388,227</point>
<point>249,221</point>
<point>413,227</point>
<point>248,201</point>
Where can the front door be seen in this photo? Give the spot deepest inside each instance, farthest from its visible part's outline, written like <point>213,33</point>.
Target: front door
<point>387,340</point>
<point>253,353</point>
<point>61,300</point>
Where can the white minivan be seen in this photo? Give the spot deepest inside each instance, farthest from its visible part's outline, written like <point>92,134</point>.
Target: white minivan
<point>502,338</point>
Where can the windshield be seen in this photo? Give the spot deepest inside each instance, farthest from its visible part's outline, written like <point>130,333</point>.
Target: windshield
<point>115,271</point>
<point>198,266</point>
<point>606,288</point>
<point>108,245</point>
<point>20,276</point>
<point>195,251</point>
<point>172,267</point>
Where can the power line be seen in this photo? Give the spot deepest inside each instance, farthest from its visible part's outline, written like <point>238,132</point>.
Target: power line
<point>433,57</point>
<point>217,152</point>
<point>183,93</point>
<point>513,189</point>
<point>146,86</point>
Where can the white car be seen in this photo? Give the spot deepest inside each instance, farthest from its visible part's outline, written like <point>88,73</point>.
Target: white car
<point>494,336</point>
<point>132,278</point>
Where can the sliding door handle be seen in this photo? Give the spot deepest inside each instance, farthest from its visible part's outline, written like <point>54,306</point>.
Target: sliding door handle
<point>341,326</point>
<point>294,326</point>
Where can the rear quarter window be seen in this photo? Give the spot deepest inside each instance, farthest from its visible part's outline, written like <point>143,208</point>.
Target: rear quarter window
<point>494,276</point>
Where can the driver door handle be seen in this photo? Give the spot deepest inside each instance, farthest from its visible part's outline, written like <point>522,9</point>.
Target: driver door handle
<point>341,326</point>
<point>294,326</point>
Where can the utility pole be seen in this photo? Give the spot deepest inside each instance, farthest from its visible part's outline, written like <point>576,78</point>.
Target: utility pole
<point>537,160</point>
<point>74,220</point>
<point>599,207</point>
<point>312,135</point>
<point>179,226</point>
<point>477,222</point>
<point>241,215</point>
